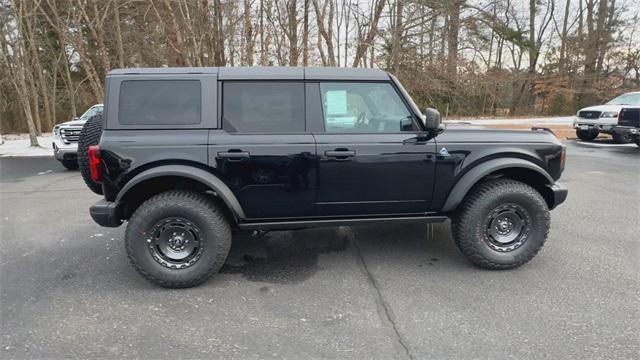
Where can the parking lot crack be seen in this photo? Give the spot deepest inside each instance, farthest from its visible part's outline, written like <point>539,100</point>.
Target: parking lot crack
<point>387,315</point>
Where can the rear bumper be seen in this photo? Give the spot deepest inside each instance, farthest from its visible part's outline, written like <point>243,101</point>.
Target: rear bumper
<point>106,213</point>
<point>627,130</point>
<point>560,193</point>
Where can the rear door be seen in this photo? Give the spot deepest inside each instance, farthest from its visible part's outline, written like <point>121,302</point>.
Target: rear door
<point>374,158</point>
<point>262,150</point>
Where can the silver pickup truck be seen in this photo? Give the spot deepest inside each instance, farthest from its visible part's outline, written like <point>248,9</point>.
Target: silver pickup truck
<point>65,137</point>
<point>591,121</point>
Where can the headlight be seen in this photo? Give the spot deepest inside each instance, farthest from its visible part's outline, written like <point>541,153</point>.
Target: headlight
<point>609,114</point>
<point>56,130</point>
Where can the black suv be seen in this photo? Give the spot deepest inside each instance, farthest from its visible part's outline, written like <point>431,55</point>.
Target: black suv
<point>629,124</point>
<point>190,156</point>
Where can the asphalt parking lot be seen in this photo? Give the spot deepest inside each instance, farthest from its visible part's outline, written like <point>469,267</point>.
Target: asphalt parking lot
<point>391,291</point>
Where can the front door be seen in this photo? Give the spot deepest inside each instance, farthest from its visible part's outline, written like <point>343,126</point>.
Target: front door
<point>262,151</point>
<point>373,157</point>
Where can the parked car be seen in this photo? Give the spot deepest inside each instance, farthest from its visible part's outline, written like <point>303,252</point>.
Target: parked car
<point>65,137</point>
<point>629,124</point>
<point>189,156</point>
<point>591,121</point>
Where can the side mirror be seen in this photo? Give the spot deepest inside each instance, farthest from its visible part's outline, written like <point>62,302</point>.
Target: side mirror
<point>75,118</point>
<point>432,119</point>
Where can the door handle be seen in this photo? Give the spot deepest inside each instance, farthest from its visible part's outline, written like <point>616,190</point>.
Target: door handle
<point>233,155</point>
<point>340,154</point>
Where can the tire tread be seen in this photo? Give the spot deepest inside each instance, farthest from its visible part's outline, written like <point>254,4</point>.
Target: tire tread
<point>465,219</point>
<point>89,136</point>
<point>221,228</point>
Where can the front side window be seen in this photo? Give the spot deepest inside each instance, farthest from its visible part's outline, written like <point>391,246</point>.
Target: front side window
<point>160,102</point>
<point>274,107</point>
<point>364,107</point>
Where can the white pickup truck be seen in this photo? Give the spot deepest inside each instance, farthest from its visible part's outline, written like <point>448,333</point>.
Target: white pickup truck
<point>65,137</point>
<point>591,121</point>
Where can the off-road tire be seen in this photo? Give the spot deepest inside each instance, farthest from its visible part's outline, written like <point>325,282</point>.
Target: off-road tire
<point>586,135</point>
<point>70,164</point>
<point>89,136</point>
<point>622,138</point>
<point>213,227</point>
<point>469,226</point>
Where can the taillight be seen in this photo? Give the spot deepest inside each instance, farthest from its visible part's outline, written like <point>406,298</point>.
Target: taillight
<point>563,158</point>
<point>94,163</point>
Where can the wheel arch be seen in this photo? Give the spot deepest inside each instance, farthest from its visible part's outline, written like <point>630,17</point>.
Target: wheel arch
<point>171,177</point>
<point>513,168</point>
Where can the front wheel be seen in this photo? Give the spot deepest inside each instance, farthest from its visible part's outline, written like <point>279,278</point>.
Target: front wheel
<point>70,164</point>
<point>622,138</point>
<point>178,239</point>
<point>587,135</point>
<point>501,224</point>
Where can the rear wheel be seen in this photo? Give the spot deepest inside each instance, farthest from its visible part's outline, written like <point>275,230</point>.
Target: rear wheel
<point>501,224</point>
<point>622,138</point>
<point>178,239</point>
<point>587,135</point>
<point>89,136</point>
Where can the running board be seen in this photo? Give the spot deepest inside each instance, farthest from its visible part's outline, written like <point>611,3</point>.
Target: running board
<point>300,224</point>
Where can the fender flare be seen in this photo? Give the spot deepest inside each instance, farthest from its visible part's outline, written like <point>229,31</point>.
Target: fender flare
<point>218,186</point>
<point>479,171</point>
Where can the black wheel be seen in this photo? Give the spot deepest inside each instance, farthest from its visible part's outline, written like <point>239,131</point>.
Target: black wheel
<point>178,239</point>
<point>622,138</point>
<point>587,135</point>
<point>501,224</point>
<point>89,136</point>
<point>70,164</point>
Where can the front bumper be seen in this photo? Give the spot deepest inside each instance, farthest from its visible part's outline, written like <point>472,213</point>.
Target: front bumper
<point>63,151</point>
<point>106,213</point>
<point>560,193</point>
<point>601,124</point>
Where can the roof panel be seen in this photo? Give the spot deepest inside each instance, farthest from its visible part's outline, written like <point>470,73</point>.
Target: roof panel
<point>261,73</point>
<point>266,73</point>
<point>165,70</point>
<point>333,73</point>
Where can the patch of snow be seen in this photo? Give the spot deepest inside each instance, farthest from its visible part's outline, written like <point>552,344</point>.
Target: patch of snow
<point>18,145</point>
<point>559,120</point>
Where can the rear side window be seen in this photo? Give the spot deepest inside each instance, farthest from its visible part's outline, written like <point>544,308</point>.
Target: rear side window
<point>160,102</point>
<point>263,107</point>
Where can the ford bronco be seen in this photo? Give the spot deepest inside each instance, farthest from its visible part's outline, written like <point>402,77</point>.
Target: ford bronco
<point>189,156</point>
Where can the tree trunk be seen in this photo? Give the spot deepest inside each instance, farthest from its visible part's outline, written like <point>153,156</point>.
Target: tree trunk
<point>563,38</point>
<point>452,40</point>
<point>292,32</point>
<point>305,35</point>
<point>248,33</point>
<point>371,34</point>
<point>325,34</point>
<point>396,36</point>
<point>116,11</point>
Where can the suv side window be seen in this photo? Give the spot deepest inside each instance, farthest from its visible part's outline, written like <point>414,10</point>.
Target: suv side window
<point>273,107</point>
<point>364,107</point>
<point>160,102</point>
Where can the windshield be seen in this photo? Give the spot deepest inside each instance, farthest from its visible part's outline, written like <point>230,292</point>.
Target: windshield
<point>94,110</point>
<point>626,99</point>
